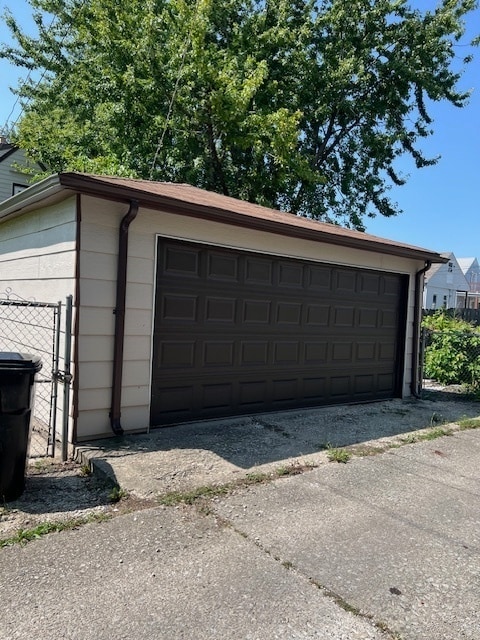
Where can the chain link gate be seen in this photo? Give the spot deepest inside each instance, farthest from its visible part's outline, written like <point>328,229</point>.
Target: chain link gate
<point>36,327</point>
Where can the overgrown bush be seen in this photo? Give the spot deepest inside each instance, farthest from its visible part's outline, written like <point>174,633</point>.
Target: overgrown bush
<point>452,355</point>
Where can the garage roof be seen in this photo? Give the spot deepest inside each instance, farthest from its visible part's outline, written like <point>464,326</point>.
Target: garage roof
<point>192,201</point>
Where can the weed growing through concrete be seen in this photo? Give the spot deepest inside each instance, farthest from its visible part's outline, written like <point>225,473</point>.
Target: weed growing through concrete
<point>439,432</point>
<point>350,608</point>
<point>117,493</point>
<point>430,434</point>
<point>337,454</point>
<point>189,497</point>
<point>27,535</point>
<point>364,451</point>
<point>469,423</point>
<point>212,491</point>
<point>85,470</point>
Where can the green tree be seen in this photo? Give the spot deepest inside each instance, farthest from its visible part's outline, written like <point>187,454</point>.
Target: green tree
<point>452,354</point>
<point>303,105</point>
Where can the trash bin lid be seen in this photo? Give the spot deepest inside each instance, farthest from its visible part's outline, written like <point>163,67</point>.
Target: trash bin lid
<point>15,361</point>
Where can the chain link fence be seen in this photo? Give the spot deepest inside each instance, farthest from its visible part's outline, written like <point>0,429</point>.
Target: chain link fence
<point>35,327</point>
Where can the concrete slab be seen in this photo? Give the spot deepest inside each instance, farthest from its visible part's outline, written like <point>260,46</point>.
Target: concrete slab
<point>186,456</point>
<point>395,535</point>
<point>162,574</point>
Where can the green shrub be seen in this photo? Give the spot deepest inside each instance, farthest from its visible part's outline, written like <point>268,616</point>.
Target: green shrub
<point>452,355</point>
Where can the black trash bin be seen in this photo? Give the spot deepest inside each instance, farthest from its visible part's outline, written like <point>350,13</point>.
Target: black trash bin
<point>17,374</point>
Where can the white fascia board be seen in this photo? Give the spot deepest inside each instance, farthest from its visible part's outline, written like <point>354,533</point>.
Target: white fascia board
<point>28,198</point>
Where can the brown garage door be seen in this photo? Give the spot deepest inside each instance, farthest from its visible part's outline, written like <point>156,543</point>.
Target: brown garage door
<point>238,332</point>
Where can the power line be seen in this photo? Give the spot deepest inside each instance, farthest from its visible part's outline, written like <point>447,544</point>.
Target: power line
<point>172,100</point>
<point>37,84</point>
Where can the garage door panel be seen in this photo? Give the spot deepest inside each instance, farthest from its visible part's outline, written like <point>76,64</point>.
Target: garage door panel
<point>367,318</point>
<point>256,311</point>
<point>222,267</point>
<point>290,275</point>
<point>317,315</point>
<point>316,352</point>
<point>176,354</point>
<point>182,261</point>
<point>344,316</point>
<point>258,271</point>
<point>345,281</point>
<point>369,283</point>
<point>179,308</point>
<point>220,309</point>
<point>254,353</point>
<point>319,278</point>
<point>237,332</point>
<point>289,313</point>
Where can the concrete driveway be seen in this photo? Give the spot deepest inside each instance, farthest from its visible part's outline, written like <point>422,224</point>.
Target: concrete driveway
<point>385,546</point>
<point>187,456</point>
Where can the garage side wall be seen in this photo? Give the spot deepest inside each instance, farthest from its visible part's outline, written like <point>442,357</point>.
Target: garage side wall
<point>37,253</point>
<point>38,262</point>
<point>98,264</point>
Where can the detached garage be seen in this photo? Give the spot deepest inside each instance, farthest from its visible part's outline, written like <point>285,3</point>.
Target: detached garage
<point>191,305</point>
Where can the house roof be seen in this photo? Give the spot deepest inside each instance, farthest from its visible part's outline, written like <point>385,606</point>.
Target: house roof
<point>199,203</point>
<point>466,263</point>
<point>6,149</point>
<point>435,267</point>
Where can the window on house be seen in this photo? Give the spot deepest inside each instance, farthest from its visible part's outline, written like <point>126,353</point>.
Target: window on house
<point>450,267</point>
<point>434,301</point>
<point>16,188</point>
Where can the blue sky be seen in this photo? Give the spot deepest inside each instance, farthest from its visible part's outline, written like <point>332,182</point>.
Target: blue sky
<point>441,204</point>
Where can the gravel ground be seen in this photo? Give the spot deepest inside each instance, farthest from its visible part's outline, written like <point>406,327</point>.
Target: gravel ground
<point>60,492</point>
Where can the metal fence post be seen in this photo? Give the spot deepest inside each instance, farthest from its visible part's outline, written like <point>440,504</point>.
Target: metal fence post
<point>52,434</point>
<point>67,375</point>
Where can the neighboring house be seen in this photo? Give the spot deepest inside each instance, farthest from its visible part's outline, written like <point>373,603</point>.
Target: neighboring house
<point>445,285</point>
<point>190,305</point>
<point>12,161</point>
<point>471,270</point>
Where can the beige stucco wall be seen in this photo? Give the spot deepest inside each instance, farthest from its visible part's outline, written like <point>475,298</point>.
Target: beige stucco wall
<point>98,263</point>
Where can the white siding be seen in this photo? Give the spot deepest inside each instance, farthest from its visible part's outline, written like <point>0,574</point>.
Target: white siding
<point>10,174</point>
<point>37,253</point>
<point>98,263</point>
<point>442,284</point>
<point>37,262</point>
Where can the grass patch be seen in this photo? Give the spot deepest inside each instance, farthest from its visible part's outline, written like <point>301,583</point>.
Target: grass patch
<point>257,477</point>
<point>212,491</point>
<point>409,439</point>
<point>433,434</point>
<point>27,535</point>
<point>294,469</point>
<point>469,423</point>
<point>364,451</point>
<point>85,471</point>
<point>338,454</point>
<point>189,497</point>
<point>116,494</point>
<point>430,434</point>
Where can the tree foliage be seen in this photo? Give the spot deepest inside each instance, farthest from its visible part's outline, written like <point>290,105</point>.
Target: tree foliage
<point>303,105</point>
<point>452,355</point>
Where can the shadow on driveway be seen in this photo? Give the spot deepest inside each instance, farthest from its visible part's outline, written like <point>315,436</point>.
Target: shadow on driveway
<point>211,451</point>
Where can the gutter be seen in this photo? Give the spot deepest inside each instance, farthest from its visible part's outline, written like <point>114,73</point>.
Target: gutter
<point>415,384</point>
<point>119,311</point>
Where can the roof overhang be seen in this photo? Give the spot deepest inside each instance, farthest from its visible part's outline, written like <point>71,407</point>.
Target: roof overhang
<point>191,201</point>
